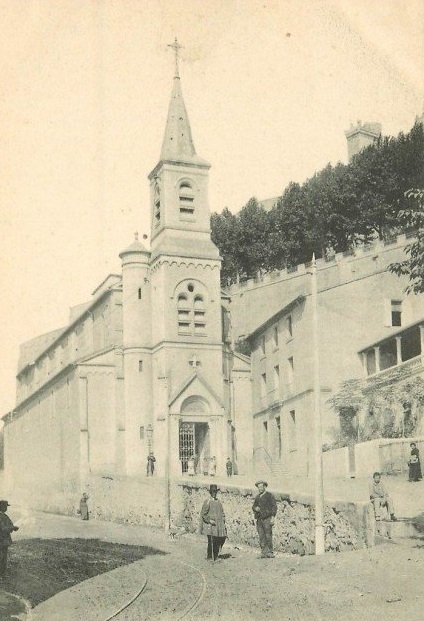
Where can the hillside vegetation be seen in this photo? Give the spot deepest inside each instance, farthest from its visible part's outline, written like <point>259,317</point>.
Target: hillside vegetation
<point>338,208</point>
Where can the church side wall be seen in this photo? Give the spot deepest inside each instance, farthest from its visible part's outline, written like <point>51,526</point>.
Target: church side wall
<point>41,448</point>
<point>102,427</point>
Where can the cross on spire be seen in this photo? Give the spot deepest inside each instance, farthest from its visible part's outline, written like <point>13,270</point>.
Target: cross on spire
<point>176,47</point>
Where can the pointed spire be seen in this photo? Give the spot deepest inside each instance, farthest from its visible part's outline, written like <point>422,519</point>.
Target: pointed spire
<point>177,142</point>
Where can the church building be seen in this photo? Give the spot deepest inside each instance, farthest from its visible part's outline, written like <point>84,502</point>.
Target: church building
<point>147,364</point>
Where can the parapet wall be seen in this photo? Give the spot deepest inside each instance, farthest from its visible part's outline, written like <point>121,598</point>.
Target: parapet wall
<point>366,253</point>
<point>255,300</point>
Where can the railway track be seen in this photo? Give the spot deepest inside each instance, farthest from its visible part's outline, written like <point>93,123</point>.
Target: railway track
<point>152,600</point>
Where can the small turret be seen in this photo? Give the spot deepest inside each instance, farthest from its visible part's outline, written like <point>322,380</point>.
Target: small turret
<point>360,136</point>
<point>136,294</point>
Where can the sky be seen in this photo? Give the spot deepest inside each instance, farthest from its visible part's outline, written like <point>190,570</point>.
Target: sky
<point>270,88</point>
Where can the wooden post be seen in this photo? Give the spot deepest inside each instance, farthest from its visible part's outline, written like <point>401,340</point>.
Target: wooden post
<point>319,484</point>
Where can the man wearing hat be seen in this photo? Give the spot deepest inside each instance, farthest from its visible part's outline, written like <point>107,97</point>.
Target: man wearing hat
<point>212,523</point>
<point>265,509</point>
<point>6,527</point>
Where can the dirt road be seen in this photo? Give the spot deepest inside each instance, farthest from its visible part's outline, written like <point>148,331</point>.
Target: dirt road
<point>384,582</point>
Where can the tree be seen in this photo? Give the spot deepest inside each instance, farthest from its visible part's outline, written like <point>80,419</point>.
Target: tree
<point>413,266</point>
<point>338,208</point>
<point>252,248</point>
<point>224,234</point>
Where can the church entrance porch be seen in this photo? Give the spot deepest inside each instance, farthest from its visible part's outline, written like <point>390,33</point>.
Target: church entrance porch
<point>194,443</point>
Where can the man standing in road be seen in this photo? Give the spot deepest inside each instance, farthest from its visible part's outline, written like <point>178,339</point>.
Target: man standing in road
<point>265,509</point>
<point>212,523</point>
<point>6,527</point>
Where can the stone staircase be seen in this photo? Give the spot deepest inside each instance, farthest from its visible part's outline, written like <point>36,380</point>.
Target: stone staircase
<point>408,500</point>
<point>404,528</point>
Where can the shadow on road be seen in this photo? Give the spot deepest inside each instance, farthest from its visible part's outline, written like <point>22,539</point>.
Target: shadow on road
<point>40,568</point>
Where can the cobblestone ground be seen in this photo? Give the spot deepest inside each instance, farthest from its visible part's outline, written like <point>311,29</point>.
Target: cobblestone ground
<point>383,582</point>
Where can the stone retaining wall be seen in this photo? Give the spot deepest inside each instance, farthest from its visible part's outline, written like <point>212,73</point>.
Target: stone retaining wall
<point>141,500</point>
<point>347,525</point>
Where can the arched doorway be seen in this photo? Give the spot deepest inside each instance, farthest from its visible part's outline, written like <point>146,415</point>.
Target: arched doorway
<point>194,434</point>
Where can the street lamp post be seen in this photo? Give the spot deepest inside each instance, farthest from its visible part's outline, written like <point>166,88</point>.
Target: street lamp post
<point>149,433</point>
<point>319,486</point>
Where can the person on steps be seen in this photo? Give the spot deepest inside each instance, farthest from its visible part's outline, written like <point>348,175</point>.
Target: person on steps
<point>380,498</point>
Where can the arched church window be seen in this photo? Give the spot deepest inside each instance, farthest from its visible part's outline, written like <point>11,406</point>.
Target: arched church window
<point>199,315</point>
<point>186,196</point>
<point>156,207</point>
<point>191,311</point>
<point>184,314</point>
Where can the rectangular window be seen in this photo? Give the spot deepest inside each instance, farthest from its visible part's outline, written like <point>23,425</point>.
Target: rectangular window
<point>280,444</point>
<point>290,370</point>
<point>140,366</point>
<point>275,336</point>
<point>184,327</point>
<point>293,434</point>
<point>289,325</point>
<point>263,384</point>
<point>396,308</point>
<point>265,434</point>
<point>262,345</point>
<point>199,328</point>
<point>277,380</point>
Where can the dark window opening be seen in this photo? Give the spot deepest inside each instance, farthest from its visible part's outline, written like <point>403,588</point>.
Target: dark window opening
<point>411,343</point>
<point>289,326</point>
<point>388,355</point>
<point>396,313</point>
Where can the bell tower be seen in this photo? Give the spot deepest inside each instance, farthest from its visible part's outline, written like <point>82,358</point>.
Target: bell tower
<point>180,216</point>
<point>186,299</point>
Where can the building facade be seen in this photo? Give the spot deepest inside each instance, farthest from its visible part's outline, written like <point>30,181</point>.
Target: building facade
<point>146,365</point>
<point>359,303</point>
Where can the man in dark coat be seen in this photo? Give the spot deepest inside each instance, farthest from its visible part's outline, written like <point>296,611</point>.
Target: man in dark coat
<point>6,527</point>
<point>265,509</point>
<point>150,468</point>
<point>212,523</point>
<point>229,467</point>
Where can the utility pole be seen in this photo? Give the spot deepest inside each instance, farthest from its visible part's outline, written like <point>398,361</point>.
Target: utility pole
<point>319,486</point>
<point>168,473</point>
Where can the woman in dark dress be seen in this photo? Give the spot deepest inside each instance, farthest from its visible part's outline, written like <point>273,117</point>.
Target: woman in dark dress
<point>83,510</point>
<point>414,464</point>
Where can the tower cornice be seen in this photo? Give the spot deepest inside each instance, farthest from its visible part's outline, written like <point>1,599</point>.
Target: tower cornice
<point>195,162</point>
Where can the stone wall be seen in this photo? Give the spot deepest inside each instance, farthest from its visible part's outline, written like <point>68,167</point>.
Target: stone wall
<point>141,500</point>
<point>348,525</point>
<point>134,500</point>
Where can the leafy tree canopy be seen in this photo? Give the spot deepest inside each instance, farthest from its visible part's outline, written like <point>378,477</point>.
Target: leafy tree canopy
<point>413,266</point>
<point>336,209</point>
